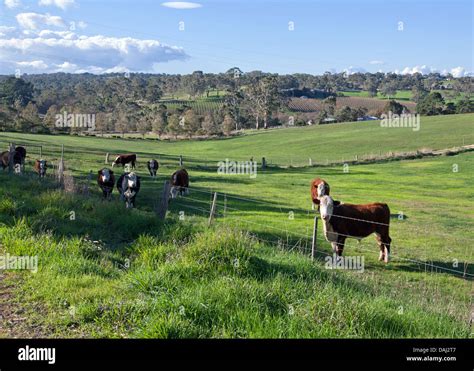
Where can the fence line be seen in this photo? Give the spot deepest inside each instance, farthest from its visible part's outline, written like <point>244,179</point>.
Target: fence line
<point>394,256</point>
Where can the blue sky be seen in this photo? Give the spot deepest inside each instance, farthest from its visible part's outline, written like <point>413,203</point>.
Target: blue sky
<point>144,35</point>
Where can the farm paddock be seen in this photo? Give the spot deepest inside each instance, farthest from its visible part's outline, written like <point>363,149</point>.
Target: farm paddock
<point>111,272</point>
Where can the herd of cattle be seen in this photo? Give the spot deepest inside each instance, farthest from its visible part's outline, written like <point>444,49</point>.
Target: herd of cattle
<point>128,184</point>
<point>340,220</point>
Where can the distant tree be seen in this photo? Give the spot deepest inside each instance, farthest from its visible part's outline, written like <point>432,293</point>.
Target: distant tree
<point>418,92</point>
<point>192,123</point>
<point>371,87</point>
<point>465,105</point>
<point>159,122</point>
<point>16,91</point>
<point>394,107</point>
<point>209,125</point>
<point>153,92</point>
<point>329,105</point>
<point>101,122</point>
<point>344,114</point>
<point>388,89</point>
<point>174,127</point>
<point>228,125</point>
<point>432,104</point>
<point>50,118</point>
<point>143,125</point>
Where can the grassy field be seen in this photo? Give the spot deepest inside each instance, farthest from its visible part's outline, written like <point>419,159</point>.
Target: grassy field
<point>400,94</point>
<point>293,146</point>
<point>249,274</point>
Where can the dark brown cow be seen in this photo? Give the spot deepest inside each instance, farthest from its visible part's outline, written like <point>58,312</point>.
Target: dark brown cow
<point>341,221</point>
<point>125,159</point>
<point>179,183</point>
<point>5,159</point>
<point>106,182</point>
<point>319,188</point>
<point>40,167</point>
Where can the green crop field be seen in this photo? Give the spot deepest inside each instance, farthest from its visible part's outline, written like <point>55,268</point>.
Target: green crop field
<point>399,95</point>
<point>123,273</point>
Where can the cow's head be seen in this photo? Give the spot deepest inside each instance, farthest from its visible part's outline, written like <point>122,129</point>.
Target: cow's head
<point>42,166</point>
<point>326,208</point>
<point>132,180</point>
<point>105,175</point>
<point>116,161</point>
<point>174,191</point>
<point>322,189</point>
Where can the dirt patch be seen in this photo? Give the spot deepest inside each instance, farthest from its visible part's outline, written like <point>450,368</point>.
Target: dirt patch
<point>13,319</point>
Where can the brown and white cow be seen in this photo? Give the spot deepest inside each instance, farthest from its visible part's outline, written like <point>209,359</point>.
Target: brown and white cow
<point>319,188</point>
<point>179,183</point>
<point>40,167</point>
<point>341,221</point>
<point>106,182</point>
<point>125,159</point>
<point>152,166</point>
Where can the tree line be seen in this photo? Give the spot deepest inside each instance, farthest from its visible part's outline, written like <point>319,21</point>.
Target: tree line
<point>138,102</point>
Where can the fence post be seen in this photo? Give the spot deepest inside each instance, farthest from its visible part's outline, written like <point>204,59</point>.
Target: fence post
<point>180,160</point>
<point>11,152</point>
<point>264,163</point>
<point>213,209</point>
<point>41,152</point>
<point>310,161</point>
<point>225,203</point>
<point>107,158</point>
<point>61,167</point>
<point>163,208</point>
<point>315,237</point>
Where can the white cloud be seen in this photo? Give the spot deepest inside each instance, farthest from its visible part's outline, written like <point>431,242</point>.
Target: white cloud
<point>39,64</point>
<point>62,50</point>
<point>181,5</point>
<point>351,70</point>
<point>12,3</point>
<point>424,70</point>
<point>460,72</point>
<point>63,4</point>
<point>376,62</point>
<point>34,21</point>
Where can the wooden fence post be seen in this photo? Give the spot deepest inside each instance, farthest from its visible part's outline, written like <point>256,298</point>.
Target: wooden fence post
<point>41,153</point>
<point>225,204</point>
<point>107,158</point>
<point>180,160</point>
<point>310,161</point>
<point>61,167</point>
<point>264,163</point>
<point>314,243</point>
<point>163,208</point>
<point>213,209</point>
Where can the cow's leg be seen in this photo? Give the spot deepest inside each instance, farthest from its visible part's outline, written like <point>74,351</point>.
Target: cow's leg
<point>379,242</point>
<point>341,240</point>
<point>386,240</point>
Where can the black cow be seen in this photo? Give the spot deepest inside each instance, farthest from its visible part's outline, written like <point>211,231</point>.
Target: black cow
<point>152,166</point>
<point>5,159</point>
<point>128,186</point>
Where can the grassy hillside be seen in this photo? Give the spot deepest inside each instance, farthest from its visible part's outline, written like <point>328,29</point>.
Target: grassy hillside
<point>322,143</point>
<point>142,278</point>
<point>122,273</point>
<point>145,279</point>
